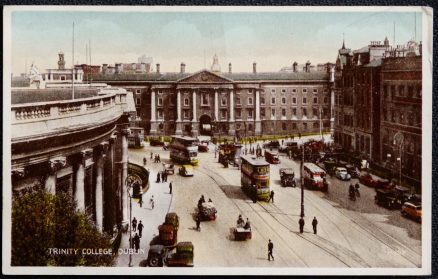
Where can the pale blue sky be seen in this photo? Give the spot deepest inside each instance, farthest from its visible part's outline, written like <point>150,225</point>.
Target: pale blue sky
<point>272,39</point>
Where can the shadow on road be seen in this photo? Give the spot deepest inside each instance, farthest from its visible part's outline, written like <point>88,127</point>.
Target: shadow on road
<point>234,192</point>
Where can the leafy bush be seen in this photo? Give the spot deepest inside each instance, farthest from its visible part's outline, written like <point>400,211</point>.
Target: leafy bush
<point>41,221</point>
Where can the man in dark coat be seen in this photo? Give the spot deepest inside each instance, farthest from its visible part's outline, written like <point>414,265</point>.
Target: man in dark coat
<point>314,224</point>
<point>271,196</point>
<point>301,222</point>
<point>136,241</point>
<point>134,224</point>
<point>140,228</point>
<point>170,188</point>
<point>270,249</point>
<point>198,222</point>
<point>158,178</point>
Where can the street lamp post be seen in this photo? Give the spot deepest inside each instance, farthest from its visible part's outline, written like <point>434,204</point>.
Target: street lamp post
<point>302,184</point>
<point>128,189</point>
<point>398,137</point>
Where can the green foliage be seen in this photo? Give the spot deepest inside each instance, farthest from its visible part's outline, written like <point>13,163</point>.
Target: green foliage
<point>41,221</point>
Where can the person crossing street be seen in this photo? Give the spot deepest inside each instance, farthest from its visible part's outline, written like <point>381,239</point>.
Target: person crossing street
<point>270,250</point>
<point>301,222</point>
<point>314,224</point>
<point>140,228</point>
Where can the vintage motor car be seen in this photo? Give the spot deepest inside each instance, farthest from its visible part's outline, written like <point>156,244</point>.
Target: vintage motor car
<point>287,177</point>
<point>169,168</point>
<point>272,144</point>
<point>207,211</point>
<point>162,256</point>
<point>352,171</point>
<point>186,170</point>
<point>242,234</point>
<point>388,198</point>
<point>203,146</point>
<point>157,142</point>
<point>367,180</point>
<point>342,174</point>
<point>411,210</point>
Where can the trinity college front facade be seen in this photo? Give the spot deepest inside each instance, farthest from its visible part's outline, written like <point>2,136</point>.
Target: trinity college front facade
<point>235,104</point>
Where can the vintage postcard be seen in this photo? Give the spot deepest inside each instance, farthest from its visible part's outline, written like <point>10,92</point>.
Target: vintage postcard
<point>217,140</point>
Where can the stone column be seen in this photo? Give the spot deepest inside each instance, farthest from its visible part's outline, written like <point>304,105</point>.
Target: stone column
<point>55,164</point>
<point>258,124</point>
<point>216,105</point>
<point>231,130</point>
<point>79,189</point>
<point>194,119</point>
<point>125,198</point>
<point>153,130</point>
<point>99,193</point>
<point>178,114</point>
<point>110,198</point>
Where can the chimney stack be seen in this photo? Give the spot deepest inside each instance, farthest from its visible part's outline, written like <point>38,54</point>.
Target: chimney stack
<point>294,66</point>
<point>229,68</point>
<point>158,68</point>
<point>307,66</point>
<point>183,68</point>
<point>254,67</point>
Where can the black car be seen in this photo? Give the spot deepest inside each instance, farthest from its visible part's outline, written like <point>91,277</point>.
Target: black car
<point>272,144</point>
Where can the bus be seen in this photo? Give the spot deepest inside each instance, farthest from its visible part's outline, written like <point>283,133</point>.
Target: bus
<point>255,177</point>
<point>184,150</point>
<point>314,177</point>
<point>272,157</point>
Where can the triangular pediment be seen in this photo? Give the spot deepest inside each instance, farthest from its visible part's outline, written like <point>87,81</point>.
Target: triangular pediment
<point>205,76</point>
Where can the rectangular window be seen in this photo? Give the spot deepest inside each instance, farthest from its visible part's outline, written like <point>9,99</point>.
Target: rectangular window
<point>160,114</point>
<point>138,101</point>
<point>238,113</point>
<point>283,91</point>
<point>273,100</point>
<point>223,101</point>
<point>283,112</point>
<point>160,101</point>
<point>294,112</point>
<point>186,102</point>
<point>138,91</point>
<point>294,100</point>
<point>250,114</point>
<point>205,100</point>
<point>223,114</point>
<point>250,101</point>
<point>283,100</point>
<point>262,100</point>
<point>304,112</point>
<point>273,113</point>
<point>160,92</point>
<point>305,126</point>
<point>238,101</point>
<point>283,126</point>
<point>294,90</point>
<point>249,91</point>
<point>294,126</point>
<point>401,90</point>
<point>304,90</point>
<point>315,100</point>
<point>262,113</point>
<point>304,100</point>
<point>171,100</point>
<point>315,90</point>
<point>273,90</point>
<point>315,112</point>
<point>186,114</point>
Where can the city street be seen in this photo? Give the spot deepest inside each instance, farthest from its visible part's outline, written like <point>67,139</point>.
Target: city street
<point>350,233</point>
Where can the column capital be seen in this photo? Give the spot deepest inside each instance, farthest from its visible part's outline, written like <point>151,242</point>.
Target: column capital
<point>57,163</point>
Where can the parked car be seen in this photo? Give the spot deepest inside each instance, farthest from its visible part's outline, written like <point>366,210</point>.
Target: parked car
<point>412,210</point>
<point>159,255</point>
<point>169,168</point>
<point>272,144</point>
<point>186,170</point>
<point>155,142</point>
<point>352,171</point>
<point>385,198</point>
<point>342,174</point>
<point>203,146</point>
<point>384,184</point>
<point>368,180</point>
<point>156,255</point>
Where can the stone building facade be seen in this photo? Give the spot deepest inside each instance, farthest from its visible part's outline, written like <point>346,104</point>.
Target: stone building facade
<point>227,103</point>
<point>78,147</point>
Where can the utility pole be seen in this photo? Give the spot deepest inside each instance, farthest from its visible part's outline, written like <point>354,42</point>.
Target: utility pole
<point>302,184</point>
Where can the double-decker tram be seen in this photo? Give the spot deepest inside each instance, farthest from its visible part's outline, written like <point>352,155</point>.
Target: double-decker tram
<point>184,150</point>
<point>255,177</point>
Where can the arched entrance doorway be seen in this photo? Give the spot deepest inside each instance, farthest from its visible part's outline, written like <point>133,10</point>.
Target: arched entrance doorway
<point>205,125</point>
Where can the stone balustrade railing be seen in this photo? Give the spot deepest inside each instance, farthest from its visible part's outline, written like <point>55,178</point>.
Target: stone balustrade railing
<point>34,119</point>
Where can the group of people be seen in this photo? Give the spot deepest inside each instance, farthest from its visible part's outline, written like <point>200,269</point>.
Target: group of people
<point>135,241</point>
<point>314,224</point>
<point>161,177</point>
<point>242,224</point>
<point>353,191</point>
<point>156,158</point>
<point>201,201</point>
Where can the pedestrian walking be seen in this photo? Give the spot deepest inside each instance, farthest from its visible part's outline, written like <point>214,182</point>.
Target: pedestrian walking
<point>270,250</point>
<point>145,161</point>
<point>301,222</point>
<point>140,228</point>
<point>158,177</point>
<point>165,176</point>
<point>198,222</point>
<point>151,202</point>
<point>159,159</point>
<point>271,196</point>
<point>170,188</point>
<point>136,241</point>
<point>134,224</point>
<point>162,176</point>
<point>314,224</point>
<point>152,154</point>
<point>140,202</point>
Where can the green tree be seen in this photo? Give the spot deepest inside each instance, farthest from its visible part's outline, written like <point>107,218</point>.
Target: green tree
<point>41,221</point>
